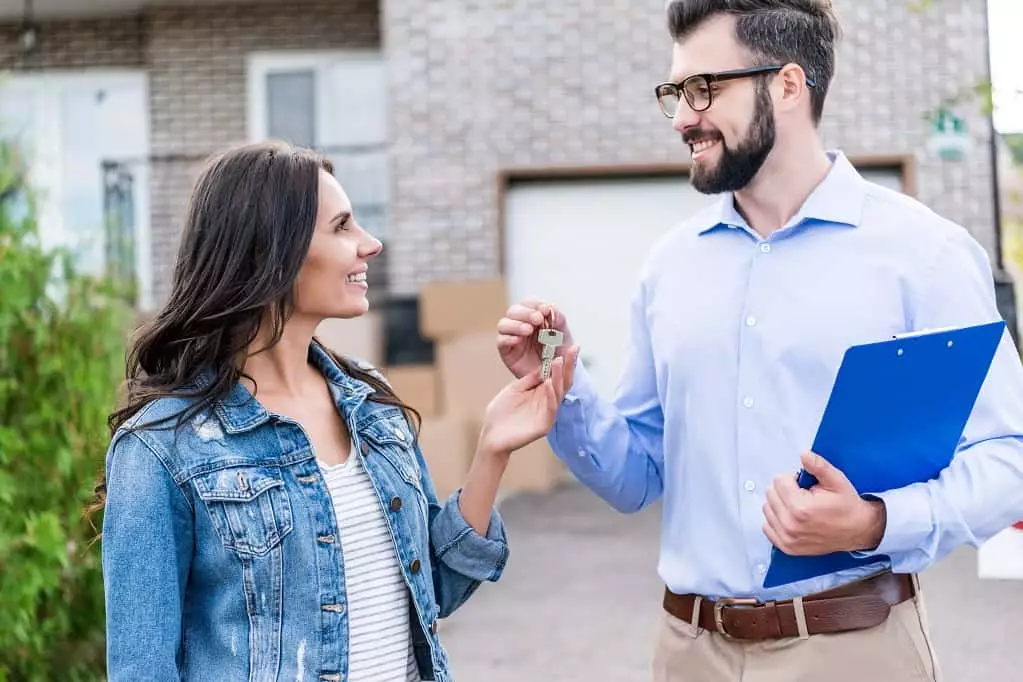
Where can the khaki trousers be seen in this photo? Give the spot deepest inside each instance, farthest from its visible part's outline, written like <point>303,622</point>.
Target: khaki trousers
<point>898,650</point>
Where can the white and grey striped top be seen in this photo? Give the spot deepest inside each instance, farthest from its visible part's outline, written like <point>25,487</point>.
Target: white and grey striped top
<point>380,640</point>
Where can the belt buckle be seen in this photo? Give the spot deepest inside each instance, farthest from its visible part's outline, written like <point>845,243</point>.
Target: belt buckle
<point>731,603</point>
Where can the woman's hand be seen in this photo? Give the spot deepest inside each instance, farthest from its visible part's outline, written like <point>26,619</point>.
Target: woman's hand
<point>521,413</point>
<point>524,411</point>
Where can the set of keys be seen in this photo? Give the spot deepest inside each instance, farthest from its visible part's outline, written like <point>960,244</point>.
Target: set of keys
<point>550,339</point>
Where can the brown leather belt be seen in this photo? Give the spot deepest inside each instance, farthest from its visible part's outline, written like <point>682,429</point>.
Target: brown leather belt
<point>853,606</point>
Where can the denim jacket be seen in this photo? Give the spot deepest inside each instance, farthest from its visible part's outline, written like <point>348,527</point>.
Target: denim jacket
<point>221,556</point>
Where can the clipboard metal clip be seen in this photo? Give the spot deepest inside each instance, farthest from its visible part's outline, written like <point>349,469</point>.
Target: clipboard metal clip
<point>924,332</point>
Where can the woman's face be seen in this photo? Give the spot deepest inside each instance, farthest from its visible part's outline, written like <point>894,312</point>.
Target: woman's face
<point>332,280</point>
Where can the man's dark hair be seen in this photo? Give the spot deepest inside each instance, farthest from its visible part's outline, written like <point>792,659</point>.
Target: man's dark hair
<point>802,32</point>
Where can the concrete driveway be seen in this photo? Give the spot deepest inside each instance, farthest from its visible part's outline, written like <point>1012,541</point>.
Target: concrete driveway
<point>579,600</point>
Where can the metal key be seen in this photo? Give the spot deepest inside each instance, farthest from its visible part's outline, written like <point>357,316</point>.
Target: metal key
<point>550,339</point>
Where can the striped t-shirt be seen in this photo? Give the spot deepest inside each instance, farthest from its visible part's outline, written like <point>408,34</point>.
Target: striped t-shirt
<point>380,640</point>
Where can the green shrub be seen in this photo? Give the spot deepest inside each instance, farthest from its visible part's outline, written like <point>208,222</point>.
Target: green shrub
<point>62,337</point>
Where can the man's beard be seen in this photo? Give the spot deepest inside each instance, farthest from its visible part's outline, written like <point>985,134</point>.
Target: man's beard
<point>737,167</point>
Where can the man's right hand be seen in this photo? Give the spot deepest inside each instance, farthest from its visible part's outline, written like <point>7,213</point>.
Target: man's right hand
<point>516,337</point>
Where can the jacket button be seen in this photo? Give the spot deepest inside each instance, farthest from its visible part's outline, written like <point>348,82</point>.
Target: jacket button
<point>433,628</point>
<point>395,504</point>
<point>365,448</point>
<point>414,566</point>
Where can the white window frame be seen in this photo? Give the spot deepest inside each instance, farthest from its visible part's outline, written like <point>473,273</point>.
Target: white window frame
<point>259,65</point>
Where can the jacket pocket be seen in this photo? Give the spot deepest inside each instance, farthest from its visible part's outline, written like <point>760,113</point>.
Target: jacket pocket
<point>248,506</point>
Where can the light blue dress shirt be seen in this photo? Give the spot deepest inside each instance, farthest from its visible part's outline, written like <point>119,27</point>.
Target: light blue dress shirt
<point>735,344</point>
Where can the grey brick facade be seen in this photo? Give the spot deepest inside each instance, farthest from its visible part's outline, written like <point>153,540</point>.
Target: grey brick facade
<point>478,86</point>
<point>73,44</point>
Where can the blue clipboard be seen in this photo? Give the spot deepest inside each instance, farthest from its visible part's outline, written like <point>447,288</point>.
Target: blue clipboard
<point>895,416</point>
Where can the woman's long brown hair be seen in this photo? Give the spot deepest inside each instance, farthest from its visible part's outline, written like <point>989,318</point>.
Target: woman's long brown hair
<point>248,227</point>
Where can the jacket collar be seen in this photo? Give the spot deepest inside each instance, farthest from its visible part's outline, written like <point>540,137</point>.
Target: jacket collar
<point>239,411</point>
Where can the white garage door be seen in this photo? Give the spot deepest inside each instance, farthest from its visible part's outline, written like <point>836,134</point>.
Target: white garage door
<point>581,243</point>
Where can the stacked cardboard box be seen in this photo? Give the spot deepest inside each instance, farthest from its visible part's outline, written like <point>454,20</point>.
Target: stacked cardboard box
<point>461,320</point>
<point>451,395</point>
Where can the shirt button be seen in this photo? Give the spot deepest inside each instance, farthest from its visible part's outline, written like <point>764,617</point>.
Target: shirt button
<point>761,569</point>
<point>747,401</point>
<point>750,321</point>
<point>765,248</point>
<point>750,486</point>
<point>414,566</point>
<point>581,453</point>
<point>395,504</point>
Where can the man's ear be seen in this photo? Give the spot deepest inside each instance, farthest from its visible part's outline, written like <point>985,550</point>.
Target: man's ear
<point>792,88</point>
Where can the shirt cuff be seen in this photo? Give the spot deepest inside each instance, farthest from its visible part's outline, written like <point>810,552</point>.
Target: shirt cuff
<point>570,422</point>
<point>582,386</point>
<point>908,520</point>
<point>464,550</point>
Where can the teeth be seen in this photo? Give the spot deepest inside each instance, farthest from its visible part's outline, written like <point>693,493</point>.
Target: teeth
<point>359,277</point>
<point>703,145</point>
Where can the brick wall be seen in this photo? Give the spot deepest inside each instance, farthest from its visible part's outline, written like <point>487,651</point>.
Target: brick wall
<point>479,85</point>
<point>117,42</point>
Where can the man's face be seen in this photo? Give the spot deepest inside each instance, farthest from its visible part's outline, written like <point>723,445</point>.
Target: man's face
<point>732,138</point>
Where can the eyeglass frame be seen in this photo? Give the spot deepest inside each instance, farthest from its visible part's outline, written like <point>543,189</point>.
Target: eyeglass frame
<point>712,78</point>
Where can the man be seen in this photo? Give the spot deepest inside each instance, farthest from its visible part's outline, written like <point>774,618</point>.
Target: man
<point>739,325</point>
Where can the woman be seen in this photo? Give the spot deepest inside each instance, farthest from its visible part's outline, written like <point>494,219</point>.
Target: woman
<point>268,512</point>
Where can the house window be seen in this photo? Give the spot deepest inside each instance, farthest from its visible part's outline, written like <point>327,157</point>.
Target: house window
<point>334,102</point>
<point>290,106</point>
<point>71,128</point>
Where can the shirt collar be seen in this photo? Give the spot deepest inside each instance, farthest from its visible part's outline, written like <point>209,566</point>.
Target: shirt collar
<point>837,199</point>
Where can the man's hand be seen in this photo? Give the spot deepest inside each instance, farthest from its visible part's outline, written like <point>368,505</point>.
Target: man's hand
<point>829,517</point>
<point>516,336</point>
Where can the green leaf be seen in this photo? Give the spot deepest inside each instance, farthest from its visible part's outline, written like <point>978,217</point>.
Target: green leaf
<point>62,337</point>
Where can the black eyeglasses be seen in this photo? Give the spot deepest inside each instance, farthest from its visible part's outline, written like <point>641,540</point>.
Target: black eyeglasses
<point>697,88</point>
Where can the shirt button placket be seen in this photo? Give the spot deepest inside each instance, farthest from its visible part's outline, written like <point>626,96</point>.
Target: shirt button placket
<point>749,383</point>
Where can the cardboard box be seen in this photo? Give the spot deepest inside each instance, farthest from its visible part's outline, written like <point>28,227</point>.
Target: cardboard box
<point>417,386</point>
<point>448,444</point>
<point>534,469</point>
<point>471,373</point>
<point>448,309</point>
<point>360,337</point>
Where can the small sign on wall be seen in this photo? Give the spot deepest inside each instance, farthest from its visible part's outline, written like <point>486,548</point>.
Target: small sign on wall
<point>949,138</point>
